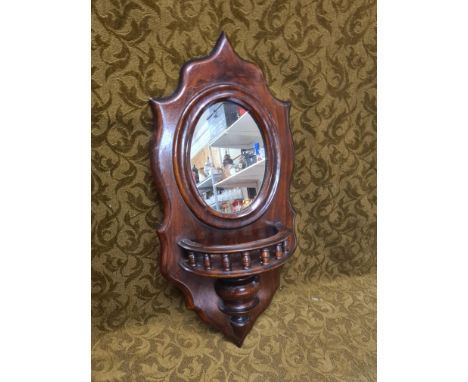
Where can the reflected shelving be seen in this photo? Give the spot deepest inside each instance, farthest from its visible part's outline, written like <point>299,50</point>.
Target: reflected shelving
<point>228,157</point>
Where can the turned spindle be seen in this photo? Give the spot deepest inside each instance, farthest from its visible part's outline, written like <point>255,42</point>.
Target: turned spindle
<point>279,251</point>
<point>286,247</point>
<point>265,256</point>
<point>226,263</point>
<point>207,261</point>
<point>238,299</point>
<point>246,260</point>
<point>192,260</point>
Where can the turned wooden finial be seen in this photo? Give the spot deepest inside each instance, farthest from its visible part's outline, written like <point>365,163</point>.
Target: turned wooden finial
<point>238,299</point>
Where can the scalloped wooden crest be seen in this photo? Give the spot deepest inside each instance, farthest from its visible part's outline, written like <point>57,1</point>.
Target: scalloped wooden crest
<point>222,52</point>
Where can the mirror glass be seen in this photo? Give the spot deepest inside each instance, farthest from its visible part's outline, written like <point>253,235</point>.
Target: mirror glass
<point>227,157</point>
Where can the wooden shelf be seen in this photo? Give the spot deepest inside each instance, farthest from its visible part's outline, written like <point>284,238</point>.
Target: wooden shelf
<point>206,183</point>
<point>277,255</point>
<point>251,174</point>
<point>241,134</point>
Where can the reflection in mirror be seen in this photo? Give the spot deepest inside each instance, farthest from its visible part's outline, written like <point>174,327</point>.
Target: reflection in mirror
<point>227,157</point>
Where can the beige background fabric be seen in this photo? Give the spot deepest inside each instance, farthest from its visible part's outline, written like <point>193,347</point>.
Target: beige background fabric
<point>321,56</point>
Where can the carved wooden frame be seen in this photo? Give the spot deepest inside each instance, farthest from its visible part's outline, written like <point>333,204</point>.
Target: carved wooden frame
<point>227,265</point>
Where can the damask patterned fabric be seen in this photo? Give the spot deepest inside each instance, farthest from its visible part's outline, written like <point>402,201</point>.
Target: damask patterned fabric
<point>321,56</point>
<point>320,331</point>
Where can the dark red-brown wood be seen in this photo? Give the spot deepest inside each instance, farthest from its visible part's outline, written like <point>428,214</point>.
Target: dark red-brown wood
<point>227,265</point>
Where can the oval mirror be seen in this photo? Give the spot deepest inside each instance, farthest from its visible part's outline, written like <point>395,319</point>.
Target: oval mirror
<point>227,157</point>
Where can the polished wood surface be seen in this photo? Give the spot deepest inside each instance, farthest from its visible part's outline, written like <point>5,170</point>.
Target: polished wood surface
<point>227,265</point>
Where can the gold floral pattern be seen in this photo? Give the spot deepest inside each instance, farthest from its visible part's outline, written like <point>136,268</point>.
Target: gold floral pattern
<point>323,331</point>
<point>320,55</point>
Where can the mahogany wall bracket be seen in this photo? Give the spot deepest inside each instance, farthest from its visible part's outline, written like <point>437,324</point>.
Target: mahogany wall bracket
<point>225,255</point>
